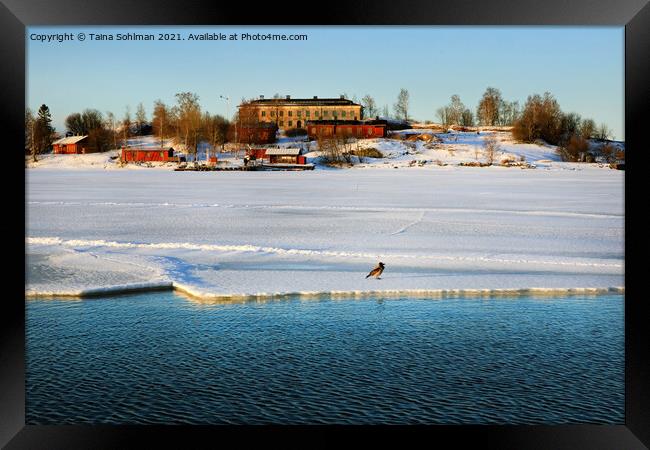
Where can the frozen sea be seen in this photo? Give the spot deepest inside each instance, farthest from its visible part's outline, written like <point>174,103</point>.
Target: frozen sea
<point>483,315</point>
<point>220,234</point>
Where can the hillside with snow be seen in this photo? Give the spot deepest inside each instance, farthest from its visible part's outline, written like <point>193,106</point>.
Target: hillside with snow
<point>419,148</point>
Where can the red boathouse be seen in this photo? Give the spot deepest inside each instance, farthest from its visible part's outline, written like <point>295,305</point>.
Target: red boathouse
<point>285,156</point>
<point>142,154</point>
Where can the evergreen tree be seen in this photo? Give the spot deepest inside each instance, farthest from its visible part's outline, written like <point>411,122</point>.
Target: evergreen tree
<point>43,131</point>
<point>29,130</point>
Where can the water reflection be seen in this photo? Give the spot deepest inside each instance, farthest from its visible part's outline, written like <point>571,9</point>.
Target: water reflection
<point>165,358</point>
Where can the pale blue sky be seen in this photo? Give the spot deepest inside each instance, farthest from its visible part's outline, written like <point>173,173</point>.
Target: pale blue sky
<point>583,67</point>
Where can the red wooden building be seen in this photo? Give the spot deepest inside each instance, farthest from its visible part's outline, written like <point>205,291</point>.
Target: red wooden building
<point>147,154</point>
<point>285,156</point>
<point>73,145</point>
<point>349,128</point>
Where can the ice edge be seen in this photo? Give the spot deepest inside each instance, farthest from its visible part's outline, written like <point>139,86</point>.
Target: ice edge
<point>433,293</point>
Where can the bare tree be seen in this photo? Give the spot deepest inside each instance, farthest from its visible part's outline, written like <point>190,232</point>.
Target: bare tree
<point>189,121</point>
<point>570,124</point>
<point>455,113</point>
<point>588,128</point>
<point>91,123</point>
<point>574,150</point>
<point>477,152</point>
<point>161,121</point>
<point>335,150</point>
<point>74,124</point>
<point>467,118</point>
<point>488,108</point>
<point>444,116</point>
<point>91,119</point>
<point>110,125</point>
<point>508,112</point>
<point>540,119</point>
<point>402,106</point>
<point>603,133</point>
<point>608,152</point>
<point>456,109</point>
<point>215,129</point>
<point>369,106</point>
<point>491,147</point>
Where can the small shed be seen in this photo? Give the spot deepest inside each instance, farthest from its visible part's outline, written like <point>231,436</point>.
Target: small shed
<point>142,154</point>
<point>73,145</point>
<point>285,156</point>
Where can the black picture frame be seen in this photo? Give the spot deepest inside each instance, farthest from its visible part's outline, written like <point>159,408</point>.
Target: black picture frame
<point>15,15</point>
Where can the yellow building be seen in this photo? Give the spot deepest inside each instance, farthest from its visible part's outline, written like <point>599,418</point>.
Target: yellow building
<point>289,113</point>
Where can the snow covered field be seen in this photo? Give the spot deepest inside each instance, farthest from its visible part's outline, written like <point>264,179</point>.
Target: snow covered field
<point>219,234</point>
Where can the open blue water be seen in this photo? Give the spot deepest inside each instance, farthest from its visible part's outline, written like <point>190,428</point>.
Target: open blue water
<point>161,358</point>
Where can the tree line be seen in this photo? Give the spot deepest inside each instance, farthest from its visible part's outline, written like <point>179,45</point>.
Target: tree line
<point>492,110</point>
<point>184,122</point>
<point>400,107</point>
<point>540,118</point>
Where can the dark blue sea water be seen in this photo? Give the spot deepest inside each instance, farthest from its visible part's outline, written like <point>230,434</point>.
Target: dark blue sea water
<point>161,358</point>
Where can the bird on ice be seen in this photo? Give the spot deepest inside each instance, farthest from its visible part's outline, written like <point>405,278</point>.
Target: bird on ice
<point>376,272</point>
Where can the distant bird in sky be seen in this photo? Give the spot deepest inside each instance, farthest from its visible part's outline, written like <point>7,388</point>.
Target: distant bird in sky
<point>376,272</point>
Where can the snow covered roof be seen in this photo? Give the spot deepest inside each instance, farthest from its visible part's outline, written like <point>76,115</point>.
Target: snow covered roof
<point>283,151</point>
<point>70,140</point>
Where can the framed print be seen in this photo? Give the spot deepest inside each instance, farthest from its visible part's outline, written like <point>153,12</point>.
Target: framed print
<point>376,218</point>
